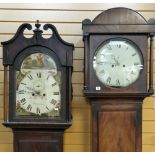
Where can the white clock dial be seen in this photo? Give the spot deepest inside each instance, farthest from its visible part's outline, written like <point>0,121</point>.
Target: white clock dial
<point>38,92</point>
<point>118,63</point>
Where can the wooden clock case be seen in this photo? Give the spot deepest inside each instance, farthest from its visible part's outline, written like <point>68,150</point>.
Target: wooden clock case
<point>117,112</point>
<point>34,133</point>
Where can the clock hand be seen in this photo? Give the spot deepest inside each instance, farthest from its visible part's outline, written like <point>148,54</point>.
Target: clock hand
<point>30,88</point>
<point>36,92</point>
<point>24,92</point>
<point>105,62</point>
<point>29,92</point>
<point>116,61</point>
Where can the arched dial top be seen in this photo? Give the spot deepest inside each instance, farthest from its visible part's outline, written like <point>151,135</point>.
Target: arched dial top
<point>38,86</point>
<point>118,63</point>
<point>119,15</point>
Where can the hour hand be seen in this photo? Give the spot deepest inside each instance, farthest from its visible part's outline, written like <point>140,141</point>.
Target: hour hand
<point>116,61</point>
<point>36,92</point>
<point>30,88</point>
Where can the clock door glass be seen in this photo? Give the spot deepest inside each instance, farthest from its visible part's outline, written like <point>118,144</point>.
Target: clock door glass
<point>38,86</point>
<point>117,63</point>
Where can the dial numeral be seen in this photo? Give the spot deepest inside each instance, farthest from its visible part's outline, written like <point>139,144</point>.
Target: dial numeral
<point>54,84</point>
<point>23,83</point>
<point>23,101</point>
<point>109,47</point>
<point>53,101</point>
<point>127,79</point>
<point>29,107</point>
<point>119,45</point>
<point>102,71</point>
<point>127,47</point>
<point>108,79</point>
<point>38,111</point>
<point>100,63</point>
<point>134,54</point>
<point>117,82</point>
<point>133,73</point>
<point>39,75</point>
<point>30,76</point>
<point>56,93</point>
<point>47,108</point>
<point>21,91</point>
<point>136,63</point>
<point>102,55</point>
<point>47,77</point>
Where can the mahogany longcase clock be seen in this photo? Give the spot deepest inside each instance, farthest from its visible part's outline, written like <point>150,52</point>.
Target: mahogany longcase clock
<point>37,88</point>
<point>118,76</point>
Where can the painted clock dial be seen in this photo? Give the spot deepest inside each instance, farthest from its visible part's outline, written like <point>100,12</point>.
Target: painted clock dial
<point>38,87</point>
<point>118,63</point>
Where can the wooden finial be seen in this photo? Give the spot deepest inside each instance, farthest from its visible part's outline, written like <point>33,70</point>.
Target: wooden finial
<point>37,25</point>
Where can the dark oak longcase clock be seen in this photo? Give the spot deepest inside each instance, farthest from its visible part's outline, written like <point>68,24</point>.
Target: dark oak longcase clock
<point>118,76</point>
<point>37,88</point>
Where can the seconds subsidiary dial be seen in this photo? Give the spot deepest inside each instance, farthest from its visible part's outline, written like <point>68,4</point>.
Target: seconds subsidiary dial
<point>117,63</point>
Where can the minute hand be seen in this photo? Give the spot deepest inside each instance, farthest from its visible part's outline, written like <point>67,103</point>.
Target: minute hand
<point>37,92</point>
<point>116,61</point>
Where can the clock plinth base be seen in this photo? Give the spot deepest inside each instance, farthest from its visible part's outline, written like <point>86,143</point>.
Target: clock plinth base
<point>38,140</point>
<point>116,128</point>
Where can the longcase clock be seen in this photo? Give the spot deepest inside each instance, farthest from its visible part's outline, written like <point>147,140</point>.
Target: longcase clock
<point>37,88</point>
<point>118,76</point>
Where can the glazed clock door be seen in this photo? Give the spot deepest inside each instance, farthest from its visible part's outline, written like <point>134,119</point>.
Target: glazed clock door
<point>38,86</point>
<point>118,62</point>
<point>38,90</point>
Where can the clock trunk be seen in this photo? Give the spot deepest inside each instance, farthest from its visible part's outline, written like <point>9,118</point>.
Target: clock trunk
<point>116,127</point>
<point>38,140</point>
